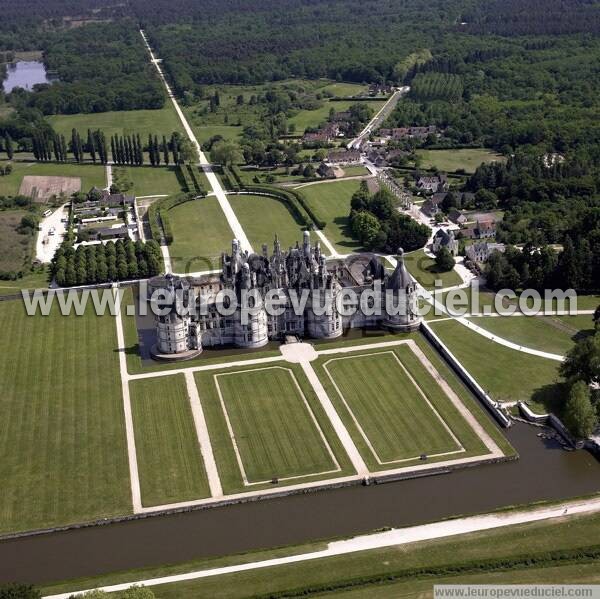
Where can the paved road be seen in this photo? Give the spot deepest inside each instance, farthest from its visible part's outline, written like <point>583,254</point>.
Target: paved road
<point>230,215</point>
<point>378,119</point>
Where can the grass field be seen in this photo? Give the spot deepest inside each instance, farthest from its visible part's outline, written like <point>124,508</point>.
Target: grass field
<point>451,160</point>
<point>547,333</point>
<point>34,280</point>
<point>506,374</point>
<point>313,118</point>
<point>423,268</point>
<point>90,175</point>
<point>62,441</point>
<point>168,455</point>
<point>262,217</point>
<point>396,421</point>
<point>157,122</point>
<point>200,232</point>
<point>399,421</point>
<point>277,434</point>
<point>15,249</point>
<point>148,180</point>
<point>341,89</point>
<point>331,202</point>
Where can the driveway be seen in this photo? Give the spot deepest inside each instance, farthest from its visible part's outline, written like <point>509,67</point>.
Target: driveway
<point>46,244</point>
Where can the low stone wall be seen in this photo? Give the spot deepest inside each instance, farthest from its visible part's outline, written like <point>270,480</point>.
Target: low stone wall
<point>465,376</point>
<point>551,421</point>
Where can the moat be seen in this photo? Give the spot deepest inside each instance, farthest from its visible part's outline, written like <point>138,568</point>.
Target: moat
<point>544,471</point>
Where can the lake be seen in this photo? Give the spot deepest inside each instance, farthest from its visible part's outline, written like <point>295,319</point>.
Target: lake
<point>25,74</point>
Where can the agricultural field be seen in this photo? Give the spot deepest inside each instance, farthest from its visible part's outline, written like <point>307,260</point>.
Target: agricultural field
<point>16,249</point>
<point>262,217</point>
<point>63,455</point>
<point>467,159</point>
<point>554,334</point>
<point>200,234</point>
<point>395,420</point>
<point>157,122</point>
<point>168,454</point>
<point>331,202</point>
<point>506,374</point>
<point>265,424</point>
<point>91,175</point>
<point>423,269</point>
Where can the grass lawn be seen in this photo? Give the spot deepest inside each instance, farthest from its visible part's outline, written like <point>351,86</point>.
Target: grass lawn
<point>399,562</point>
<point>547,333</point>
<point>395,418</point>
<point>169,459</point>
<point>451,160</point>
<point>16,250</point>
<point>506,374</point>
<point>423,268</point>
<point>127,122</point>
<point>262,217</point>
<point>342,89</point>
<point>313,118</point>
<point>273,428</point>
<point>34,280</point>
<point>200,232</point>
<point>355,171</point>
<point>276,433</point>
<point>148,180</point>
<point>91,175</point>
<point>331,202</point>
<point>63,456</point>
<point>373,390</point>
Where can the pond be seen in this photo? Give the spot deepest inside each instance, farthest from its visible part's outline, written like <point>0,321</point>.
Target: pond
<point>25,74</point>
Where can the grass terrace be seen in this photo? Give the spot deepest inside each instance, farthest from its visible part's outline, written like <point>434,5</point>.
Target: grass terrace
<point>262,217</point>
<point>555,334</point>
<point>148,180</point>
<point>506,374</point>
<point>169,460</point>
<point>266,423</point>
<point>394,409</point>
<point>305,119</point>
<point>63,455</point>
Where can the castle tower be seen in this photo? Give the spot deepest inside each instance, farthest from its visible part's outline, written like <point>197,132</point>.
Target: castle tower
<point>176,336</point>
<point>325,288</point>
<point>400,301</point>
<point>254,332</point>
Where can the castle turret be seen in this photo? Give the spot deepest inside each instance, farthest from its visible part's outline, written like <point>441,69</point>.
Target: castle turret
<point>176,337</point>
<point>400,302</point>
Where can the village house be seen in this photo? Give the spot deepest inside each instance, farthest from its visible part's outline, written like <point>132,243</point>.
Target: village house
<point>445,239</point>
<point>433,183</point>
<point>457,217</point>
<point>343,156</point>
<point>399,133</point>
<point>480,252</point>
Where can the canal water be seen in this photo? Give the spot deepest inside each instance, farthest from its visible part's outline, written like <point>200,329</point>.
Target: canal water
<point>25,74</point>
<point>543,472</point>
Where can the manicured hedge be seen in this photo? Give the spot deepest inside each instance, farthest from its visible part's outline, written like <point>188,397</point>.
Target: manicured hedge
<point>160,225</point>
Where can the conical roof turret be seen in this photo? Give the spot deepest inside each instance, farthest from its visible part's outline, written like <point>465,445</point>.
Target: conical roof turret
<point>400,278</point>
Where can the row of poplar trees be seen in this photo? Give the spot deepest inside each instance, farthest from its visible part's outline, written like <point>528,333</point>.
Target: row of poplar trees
<point>125,149</point>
